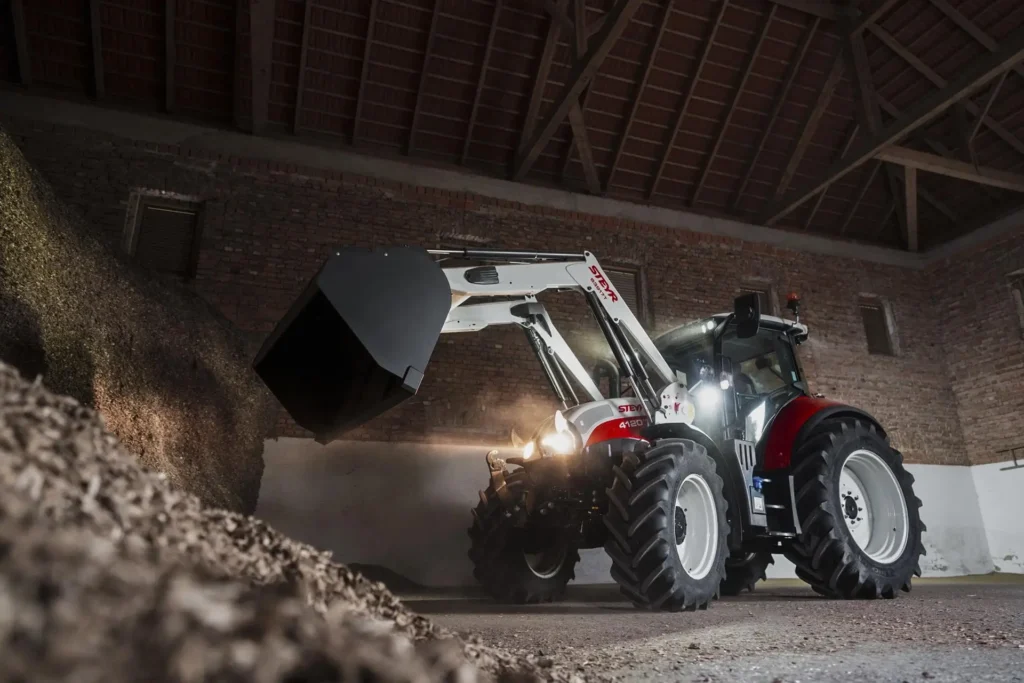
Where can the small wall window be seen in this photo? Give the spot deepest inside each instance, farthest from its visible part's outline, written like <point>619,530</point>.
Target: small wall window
<point>630,285</point>
<point>878,326</point>
<point>765,296</point>
<point>1017,292</point>
<point>162,233</point>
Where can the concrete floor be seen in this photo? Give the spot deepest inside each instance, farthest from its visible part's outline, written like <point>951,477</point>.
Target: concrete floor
<point>968,629</point>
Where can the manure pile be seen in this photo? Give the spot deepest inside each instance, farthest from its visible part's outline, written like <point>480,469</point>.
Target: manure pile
<point>110,573</point>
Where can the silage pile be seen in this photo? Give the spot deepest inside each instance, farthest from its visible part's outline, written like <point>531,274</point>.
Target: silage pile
<point>108,573</point>
<point>170,375</point>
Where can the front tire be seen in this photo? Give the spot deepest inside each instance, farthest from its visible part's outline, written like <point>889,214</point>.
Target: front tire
<point>666,526</point>
<point>860,519</point>
<point>506,562</point>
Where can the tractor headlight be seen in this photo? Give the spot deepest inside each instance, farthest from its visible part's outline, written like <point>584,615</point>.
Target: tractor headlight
<point>563,440</point>
<point>708,397</point>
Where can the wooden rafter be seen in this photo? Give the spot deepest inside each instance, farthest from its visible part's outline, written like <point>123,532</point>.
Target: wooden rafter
<point>261,41</point>
<point>926,109</point>
<point>932,200</point>
<point>862,189</point>
<point>850,137</point>
<point>365,71</point>
<point>582,73</point>
<point>894,45</point>
<point>933,163</point>
<point>992,95</point>
<point>885,219</point>
<point>540,81</point>
<point>418,110</point>
<point>170,54</point>
<point>780,100</point>
<point>910,200</point>
<point>96,46</point>
<point>21,42</point>
<point>940,149</point>
<point>300,89</point>
<point>576,120</point>
<point>480,81</point>
<point>557,12</point>
<point>810,125</point>
<point>737,93</point>
<point>873,16</point>
<point>638,92</point>
<point>869,110</point>
<point>971,29</point>
<point>962,129</point>
<point>685,104</point>
<point>822,9</point>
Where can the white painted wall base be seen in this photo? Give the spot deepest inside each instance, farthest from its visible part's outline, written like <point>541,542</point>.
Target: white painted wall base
<point>406,507</point>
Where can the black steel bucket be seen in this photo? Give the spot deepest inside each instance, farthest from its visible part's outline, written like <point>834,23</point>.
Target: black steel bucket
<point>357,341</point>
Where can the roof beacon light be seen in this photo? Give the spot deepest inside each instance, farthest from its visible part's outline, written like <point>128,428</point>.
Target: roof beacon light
<point>793,304</point>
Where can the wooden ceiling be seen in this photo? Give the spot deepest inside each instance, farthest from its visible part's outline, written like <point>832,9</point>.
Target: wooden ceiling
<point>892,122</point>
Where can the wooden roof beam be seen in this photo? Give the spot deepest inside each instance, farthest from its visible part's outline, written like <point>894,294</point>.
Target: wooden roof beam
<point>638,92</point>
<point>822,9</point>
<point>780,100</point>
<point>993,125</point>
<point>933,163</point>
<point>261,41</point>
<point>540,81</point>
<point>865,183</point>
<point>974,76</point>
<point>970,28</point>
<point>810,126</point>
<point>873,16</point>
<point>365,72</point>
<point>300,89</point>
<point>576,120</point>
<point>747,69</point>
<point>851,136</point>
<point>480,81</point>
<point>685,105</point>
<point>910,201</point>
<point>21,42</point>
<point>580,76</point>
<point>418,110</point>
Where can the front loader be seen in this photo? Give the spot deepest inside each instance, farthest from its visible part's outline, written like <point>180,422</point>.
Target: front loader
<point>705,456</point>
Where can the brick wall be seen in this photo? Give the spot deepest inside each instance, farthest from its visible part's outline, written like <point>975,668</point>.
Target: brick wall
<point>267,228</point>
<point>984,344</point>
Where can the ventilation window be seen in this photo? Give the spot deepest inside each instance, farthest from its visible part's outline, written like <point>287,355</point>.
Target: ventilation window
<point>627,282</point>
<point>877,327</point>
<point>163,235</point>
<point>765,297</point>
<point>1017,291</point>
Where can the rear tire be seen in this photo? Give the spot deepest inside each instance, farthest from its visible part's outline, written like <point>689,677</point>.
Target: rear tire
<point>860,519</point>
<point>501,563</point>
<point>667,528</point>
<point>743,572</point>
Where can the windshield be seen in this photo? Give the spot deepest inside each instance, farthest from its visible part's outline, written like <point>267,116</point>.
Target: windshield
<point>687,349</point>
<point>762,364</point>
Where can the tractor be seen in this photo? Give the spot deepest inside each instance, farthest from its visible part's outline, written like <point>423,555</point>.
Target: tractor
<point>691,458</point>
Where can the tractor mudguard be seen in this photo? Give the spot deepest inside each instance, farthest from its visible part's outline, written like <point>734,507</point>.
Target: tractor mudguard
<point>796,418</point>
<point>357,340</point>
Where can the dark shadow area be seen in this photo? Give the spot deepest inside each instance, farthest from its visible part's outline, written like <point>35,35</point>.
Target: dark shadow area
<point>21,340</point>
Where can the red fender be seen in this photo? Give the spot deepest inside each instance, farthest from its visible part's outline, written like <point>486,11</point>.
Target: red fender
<point>782,433</point>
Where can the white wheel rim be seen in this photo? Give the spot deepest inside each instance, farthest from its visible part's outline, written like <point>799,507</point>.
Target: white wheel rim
<point>872,504</point>
<point>548,563</point>
<point>696,526</point>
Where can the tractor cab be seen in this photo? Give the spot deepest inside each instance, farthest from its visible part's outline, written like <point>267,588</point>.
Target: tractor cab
<point>740,371</point>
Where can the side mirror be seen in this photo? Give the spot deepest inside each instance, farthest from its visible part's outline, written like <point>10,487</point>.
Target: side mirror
<point>747,314</point>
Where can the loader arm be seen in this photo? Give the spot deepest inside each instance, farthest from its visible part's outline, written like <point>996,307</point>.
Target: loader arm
<point>579,272</point>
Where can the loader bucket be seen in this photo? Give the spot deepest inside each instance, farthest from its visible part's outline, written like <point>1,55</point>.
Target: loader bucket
<point>357,341</point>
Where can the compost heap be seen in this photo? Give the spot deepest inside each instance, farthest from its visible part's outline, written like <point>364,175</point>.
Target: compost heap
<point>109,573</point>
<point>170,375</point>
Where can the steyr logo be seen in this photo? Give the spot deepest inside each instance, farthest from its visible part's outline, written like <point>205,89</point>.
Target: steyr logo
<point>630,409</point>
<point>599,276</point>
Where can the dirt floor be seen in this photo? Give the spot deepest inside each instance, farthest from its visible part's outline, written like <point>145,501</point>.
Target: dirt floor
<point>944,630</point>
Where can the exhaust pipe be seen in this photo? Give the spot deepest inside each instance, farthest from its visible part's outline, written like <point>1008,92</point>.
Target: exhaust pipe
<point>357,341</point>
